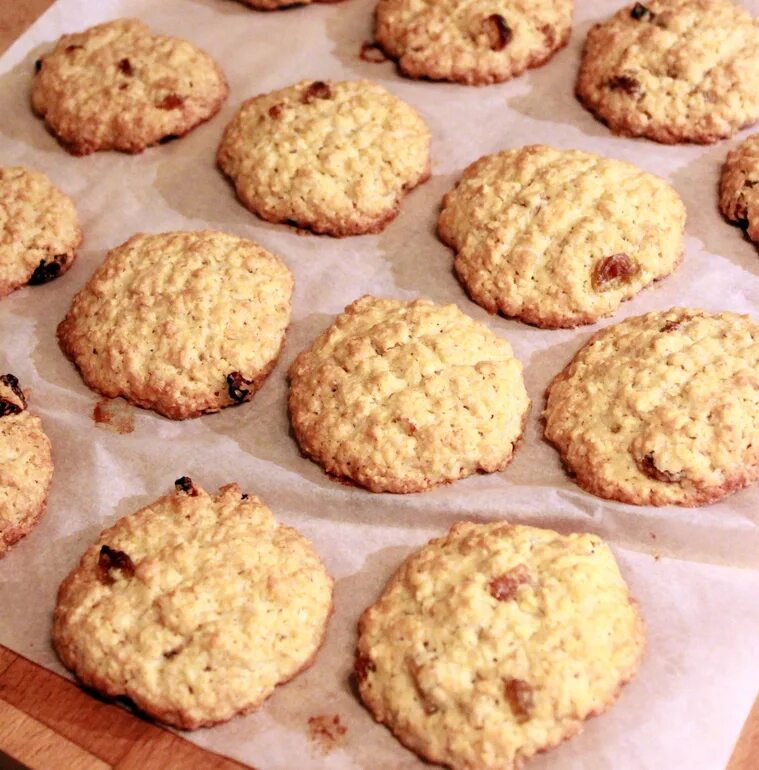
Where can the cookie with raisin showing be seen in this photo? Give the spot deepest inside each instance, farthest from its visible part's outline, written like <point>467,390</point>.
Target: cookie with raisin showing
<point>120,86</point>
<point>673,70</point>
<point>739,186</point>
<point>26,465</point>
<point>402,396</point>
<point>183,323</point>
<point>39,229</point>
<point>560,238</point>
<point>472,43</point>
<point>195,607</point>
<point>661,409</point>
<point>496,642</point>
<point>333,157</point>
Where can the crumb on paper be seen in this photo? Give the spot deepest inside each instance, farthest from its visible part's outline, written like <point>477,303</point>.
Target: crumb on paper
<point>114,414</point>
<point>372,53</point>
<point>653,536</point>
<point>326,732</point>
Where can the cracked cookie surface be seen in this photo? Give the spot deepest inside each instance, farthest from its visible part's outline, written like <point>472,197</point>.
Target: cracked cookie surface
<point>26,465</point>
<point>495,642</point>
<point>673,70</point>
<point>120,86</point>
<point>39,229</point>
<point>661,409</point>
<point>183,323</point>
<point>334,157</point>
<point>195,607</point>
<point>401,396</point>
<point>560,238</point>
<point>471,41</point>
<point>739,186</point>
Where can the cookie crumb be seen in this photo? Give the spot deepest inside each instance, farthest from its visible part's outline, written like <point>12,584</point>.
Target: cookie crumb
<point>326,732</point>
<point>372,53</point>
<point>114,414</point>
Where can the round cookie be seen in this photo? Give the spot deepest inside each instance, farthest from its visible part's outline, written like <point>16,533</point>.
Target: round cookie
<point>39,229</point>
<point>401,396</point>
<point>560,238</point>
<point>739,186</point>
<point>496,642</point>
<point>119,86</point>
<point>662,409</point>
<point>26,465</point>
<point>673,70</point>
<point>334,157</point>
<point>472,43</point>
<point>195,607</point>
<point>182,323</point>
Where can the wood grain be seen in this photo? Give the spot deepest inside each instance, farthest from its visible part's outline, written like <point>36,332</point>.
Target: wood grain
<point>48,723</point>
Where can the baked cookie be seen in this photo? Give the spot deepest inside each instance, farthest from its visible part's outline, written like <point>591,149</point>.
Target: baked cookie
<point>496,642</point>
<point>182,323</point>
<point>334,157</point>
<point>26,465</point>
<point>560,238</point>
<point>401,396</point>
<point>119,86</point>
<point>739,186</point>
<point>662,409</point>
<point>471,42</point>
<point>673,70</point>
<point>195,607</point>
<point>39,229</point>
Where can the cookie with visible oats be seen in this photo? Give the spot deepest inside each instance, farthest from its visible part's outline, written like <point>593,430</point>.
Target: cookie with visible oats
<point>495,642</point>
<point>39,229</point>
<point>739,186</point>
<point>26,465</point>
<point>662,409</point>
<point>195,607</point>
<point>560,238</point>
<point>120,86</point>
<point>183,323</point>
<point>401,396</point>
<point>673,70</point>
<point>333,157</point>
<point>471,42</point>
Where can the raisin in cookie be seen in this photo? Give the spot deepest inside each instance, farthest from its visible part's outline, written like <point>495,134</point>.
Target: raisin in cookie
<point>26,465</point>
<point>560,238</point>
<point>119,86</point>
<point>662,409</point>
<point>183,323</point>
<point>401,396</point>
<point>471,42</point>
<point>39,229</point>
<point>196,607</point>
<point>673,70</point>
<point>334,157</point>
<point>496,642</point>
<point>739,186</point>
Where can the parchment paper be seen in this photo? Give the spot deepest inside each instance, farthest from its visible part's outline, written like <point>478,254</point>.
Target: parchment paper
<point>701,670</point>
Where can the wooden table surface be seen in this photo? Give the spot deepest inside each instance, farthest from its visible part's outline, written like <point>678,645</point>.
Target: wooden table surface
<point>48,723</point>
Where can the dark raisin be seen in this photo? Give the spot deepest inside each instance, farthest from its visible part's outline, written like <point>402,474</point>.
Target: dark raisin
<point>185,485</point>
<point>372,53</point>
<point>317,90</point>
<point>520,697</point>
<point>111,559</point>
<point>505,586</point>
<point>47,270</point>
<point>363,666</point>
<point>639,11</point>
<point>670,326</point>
<point>648,466</point>
<point>126,67</point>
<point>11,407</point>
<point>613,269</point>
<point>38,65</point>
<point>498,31</point>
<point>72,48</point>
<point>170,102</point>
<point>275,111</point>
<point>625,83</point>
<point>168,138</point>
<point>236,385</point>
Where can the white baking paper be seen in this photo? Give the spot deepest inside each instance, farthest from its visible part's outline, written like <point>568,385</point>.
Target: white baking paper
<point>695,572</point>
